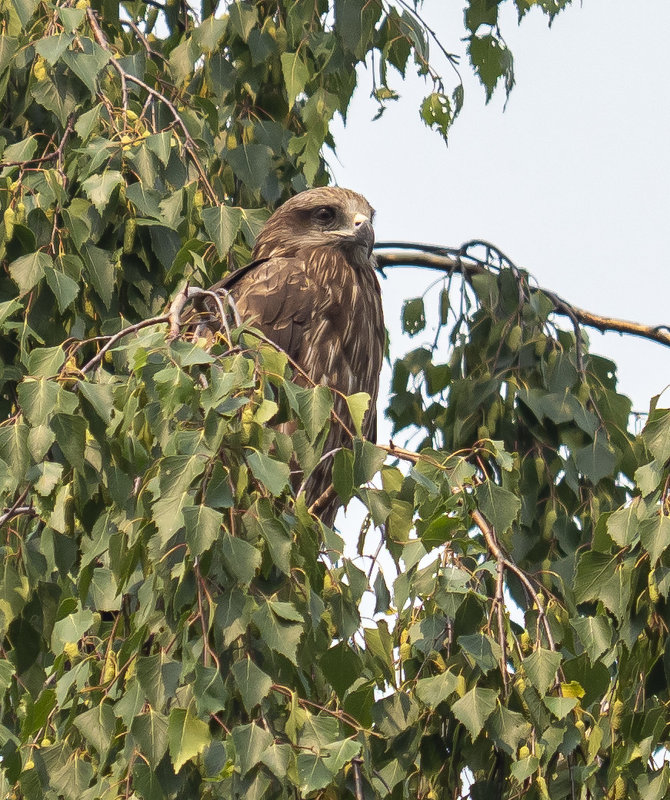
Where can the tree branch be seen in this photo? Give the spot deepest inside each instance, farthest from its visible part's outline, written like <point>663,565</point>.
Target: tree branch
<point>189,144</point>
<point>450,260</point>
<point>57,153</point>
<point>112,340</point>
<point>492,543</point>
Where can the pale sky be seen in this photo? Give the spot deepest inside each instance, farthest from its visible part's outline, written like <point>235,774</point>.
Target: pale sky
<point>571,181</point>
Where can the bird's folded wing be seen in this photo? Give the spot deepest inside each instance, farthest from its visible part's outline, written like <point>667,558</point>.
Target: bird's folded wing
<point>273,295</point>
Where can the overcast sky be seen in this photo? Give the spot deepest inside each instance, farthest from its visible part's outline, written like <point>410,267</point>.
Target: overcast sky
<point>571,181</point>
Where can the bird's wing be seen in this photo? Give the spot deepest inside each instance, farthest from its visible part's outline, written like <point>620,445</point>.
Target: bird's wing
<point>270,295</point>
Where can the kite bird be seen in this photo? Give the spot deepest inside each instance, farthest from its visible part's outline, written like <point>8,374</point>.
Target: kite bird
<point>312,289</point>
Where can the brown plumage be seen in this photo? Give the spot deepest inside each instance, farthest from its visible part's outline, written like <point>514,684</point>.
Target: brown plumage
<point>312,289</point>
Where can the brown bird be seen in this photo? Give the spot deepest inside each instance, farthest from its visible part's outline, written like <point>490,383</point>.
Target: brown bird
<point>312,289</point>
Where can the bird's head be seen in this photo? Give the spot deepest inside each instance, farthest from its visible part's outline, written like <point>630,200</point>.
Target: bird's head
<point>324,217</point>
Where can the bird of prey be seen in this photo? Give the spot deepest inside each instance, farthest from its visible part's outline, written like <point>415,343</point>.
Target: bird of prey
<point>312,289</point>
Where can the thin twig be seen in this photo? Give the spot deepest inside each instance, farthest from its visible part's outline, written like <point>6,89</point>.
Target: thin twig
<point>16,508</point>
<point>189,144</point>
<point>499,606</point>
<point>57,153</point>
<point>115,338</point>
<point>449,260</point>
<point>492,543</point>
<point>174,312</point>
<point>358,783</point>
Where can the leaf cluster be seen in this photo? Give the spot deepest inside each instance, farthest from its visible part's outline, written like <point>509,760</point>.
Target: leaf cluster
<point>174,622</point>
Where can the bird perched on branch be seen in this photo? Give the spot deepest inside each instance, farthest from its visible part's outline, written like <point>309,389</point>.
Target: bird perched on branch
<point>312,289</point>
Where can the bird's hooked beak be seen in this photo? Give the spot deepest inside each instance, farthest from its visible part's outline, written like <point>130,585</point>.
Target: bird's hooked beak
<point>363,232</point>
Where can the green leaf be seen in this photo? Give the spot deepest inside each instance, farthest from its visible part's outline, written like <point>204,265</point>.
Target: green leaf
<point>177,473</point>
<point>211,695</point>
<point>433,691</point>
<point>312,405</point>
<point>368,460</point>
<point>242,559</point>
<point>623,524</point>
<point>46,361</point>
<point>99,188</point>
<point>8,309</point>
<point>508,729</point>
<point>253,683</point>
<point>499,506</point>
<point>395,713</point>
<point>145,200</point>
<point>597,460</point>
<point>98,725</point>
<point>413,316</point>
<point>491,60</point>
<point>150,732</point>
<point>87,62</point>
<point>541,668</point>
<point>648,477</point>
<point>480,12</point>
<point>70,629</point>
<point>64,288</point>
<point>25,10</point>
<point>474,708</point>
<point>340,753</point>
<point>100,397</point>
<point>29,270</point>
<point>595,633</point>
<point>593,571</point>
<point>243,18</point>
<point>656,435</point>
<point>273,474</point>
<point>70,431</point>
<point>14,448</point>
<point>251,164</point>
<point>358,404</point>
<point>277,758</point>
<point>251,741</point>
<point>436,112</point>
<point>313,773</point>
<point>341,666</point>
<point>355,22</point>
<point>486,653</point>
<point>52,48</point>
<point>56,97</point>
<point>281,636</point>
<point>8,47</point>
<point>296,75</point>
<point>209,33</point>
<point>203,528</point>
<point>560,707</point>
<point>22,150</point>
<point>187,736</point>
<point>104,591</point>
<point>343,474</point>
<point>253,220</point>
<point>159,145</point>
<point>71,17</point>
<point>101,271</point>
<point>222,224</point>
<point>38,399</point>
<point>655,536</point>
<point>522,769</point>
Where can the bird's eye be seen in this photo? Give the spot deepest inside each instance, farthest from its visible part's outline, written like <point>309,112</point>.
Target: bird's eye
<point>324,215</point>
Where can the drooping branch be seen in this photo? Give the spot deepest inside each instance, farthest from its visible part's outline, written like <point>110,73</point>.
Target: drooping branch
<point>450,260</point>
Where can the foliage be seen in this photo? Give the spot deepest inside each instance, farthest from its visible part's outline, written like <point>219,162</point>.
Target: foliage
<point>174,622</point>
